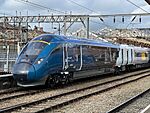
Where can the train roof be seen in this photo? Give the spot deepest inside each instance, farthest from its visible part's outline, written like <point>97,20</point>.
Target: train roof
<point>51,38</point>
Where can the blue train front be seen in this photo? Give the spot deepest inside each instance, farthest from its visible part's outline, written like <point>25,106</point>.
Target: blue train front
<point>52,59</point>
<point>35,61</point>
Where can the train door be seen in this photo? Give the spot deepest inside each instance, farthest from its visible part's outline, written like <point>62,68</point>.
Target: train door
<point>127,57</point>
<point>72,57</point>
<point>130,56</point>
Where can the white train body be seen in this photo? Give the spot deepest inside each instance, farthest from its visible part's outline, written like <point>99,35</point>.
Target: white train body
<point>132,56</point>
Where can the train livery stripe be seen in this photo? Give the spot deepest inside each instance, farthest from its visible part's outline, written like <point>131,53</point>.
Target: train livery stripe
<point>41,41</point>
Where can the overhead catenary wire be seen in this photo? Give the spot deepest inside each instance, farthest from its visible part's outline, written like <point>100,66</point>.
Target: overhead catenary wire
<point>82,6</point>
<point>40,6</point>
<point>136,16</point>
<point>100,23</point>
<point>23,2</point>
<point>92,11</point>
<point>138,6</point>
<point>4,14</point>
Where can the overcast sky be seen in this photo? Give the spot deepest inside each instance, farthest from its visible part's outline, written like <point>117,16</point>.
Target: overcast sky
<point>99,6</point>
<point>9,7</point>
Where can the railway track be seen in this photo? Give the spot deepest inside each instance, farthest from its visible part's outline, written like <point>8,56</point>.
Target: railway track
<point>10,90</point>
<point>14,93</point>
<point>55,101</point>
<point>19,90</point>
<point>21,93</point>
<point>125,106</point>
<point>7,81</point>
<point>146,110</point>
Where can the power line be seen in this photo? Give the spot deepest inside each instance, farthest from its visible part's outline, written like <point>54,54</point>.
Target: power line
<point>40,6</point>
<point>100,23</point>
<point>101,19</point>
<point>29,4</point>
<point>4,14</point>
<point>137,6</point>
<point>135,16</point>
<point>82,6</point>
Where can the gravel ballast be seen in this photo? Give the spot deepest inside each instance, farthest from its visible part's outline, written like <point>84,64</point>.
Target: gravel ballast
<point>102,103</point>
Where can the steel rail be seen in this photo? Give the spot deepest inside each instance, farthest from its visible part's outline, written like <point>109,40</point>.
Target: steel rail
<point>39,91</point>
<point>10,90</point>
<point>65,94</point>
<point>21,95</point>
<point>127,102</point>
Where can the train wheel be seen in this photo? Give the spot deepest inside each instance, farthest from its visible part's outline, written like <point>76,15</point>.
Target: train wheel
<point>70,77</point>
<point>51,81</point>
<point>65,79</point>
<point>117,71</point>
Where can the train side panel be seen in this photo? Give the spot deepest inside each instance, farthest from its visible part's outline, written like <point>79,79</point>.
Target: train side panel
<point>95,60</point>
<point>141,56</point>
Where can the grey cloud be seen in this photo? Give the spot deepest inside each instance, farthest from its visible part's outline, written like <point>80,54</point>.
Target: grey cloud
<point>102,6</point>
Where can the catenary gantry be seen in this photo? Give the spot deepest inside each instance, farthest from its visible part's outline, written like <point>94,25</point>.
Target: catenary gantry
<point>84,19</point>
<point>59,18</point>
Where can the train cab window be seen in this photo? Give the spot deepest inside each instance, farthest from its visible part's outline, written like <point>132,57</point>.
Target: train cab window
<point>46,38</point>
<point>31,51</point>
<point>34,48</point>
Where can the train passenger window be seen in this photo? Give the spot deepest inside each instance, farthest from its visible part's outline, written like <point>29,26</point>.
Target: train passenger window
<point>73,52</point>
<point>102,57</point>
<point>146,54</point>
<point>115,55</point>
<point>107,55</point>
<point>138,54</point>
<point>56,50</point>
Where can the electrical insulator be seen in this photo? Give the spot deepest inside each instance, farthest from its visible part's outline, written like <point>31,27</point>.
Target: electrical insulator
<point>114,19</point>
<point>140,20</point>
<point>123,19</point>
<point>101,19</point>
<point>133,19</point>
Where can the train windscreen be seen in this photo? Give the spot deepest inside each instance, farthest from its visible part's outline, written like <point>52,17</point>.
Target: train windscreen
<point>31,51</point>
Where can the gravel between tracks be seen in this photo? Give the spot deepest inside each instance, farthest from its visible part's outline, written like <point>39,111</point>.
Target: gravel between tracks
<point>51,92</point>
<point>102,103</point>
<point>71,96</point>
<point>138,105</point>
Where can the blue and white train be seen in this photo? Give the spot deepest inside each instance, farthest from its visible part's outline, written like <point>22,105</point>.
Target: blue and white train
<point>51,59</point>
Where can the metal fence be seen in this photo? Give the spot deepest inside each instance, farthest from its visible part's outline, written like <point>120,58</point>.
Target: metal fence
<point>8,55</point>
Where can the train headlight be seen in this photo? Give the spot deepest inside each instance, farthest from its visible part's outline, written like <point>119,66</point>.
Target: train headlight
<point>39,61</point>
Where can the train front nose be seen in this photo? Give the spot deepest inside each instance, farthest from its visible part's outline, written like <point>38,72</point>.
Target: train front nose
<point>24,72</point>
